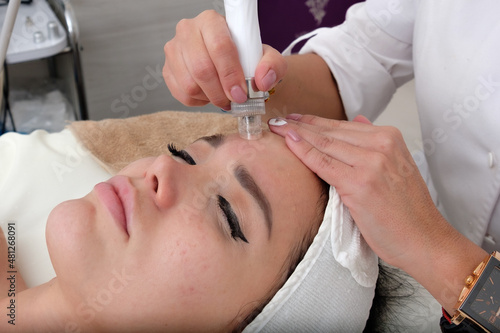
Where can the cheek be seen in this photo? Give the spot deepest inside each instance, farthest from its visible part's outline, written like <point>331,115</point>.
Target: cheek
<point>69,239</point>
<point>186,281</point>
<point>68,224</point>
<point>193,263</point>
<point>193,266</point>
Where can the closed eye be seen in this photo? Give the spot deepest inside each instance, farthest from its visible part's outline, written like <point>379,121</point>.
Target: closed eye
<point>231,219</point>
<point>182,154</point>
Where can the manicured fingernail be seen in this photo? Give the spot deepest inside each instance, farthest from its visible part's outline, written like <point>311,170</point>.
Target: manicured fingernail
<point>277,122</point>
<point>238,94</point>
<point>269,79</point>
<point>293,135</point>
<point>294,116</point>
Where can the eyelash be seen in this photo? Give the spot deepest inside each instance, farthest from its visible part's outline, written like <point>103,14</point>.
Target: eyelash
<point>181,154</point>
<point>224,205</point>
<point>231,219</point>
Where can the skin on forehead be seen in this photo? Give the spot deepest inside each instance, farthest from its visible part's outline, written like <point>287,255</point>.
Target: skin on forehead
<point>178,266</point>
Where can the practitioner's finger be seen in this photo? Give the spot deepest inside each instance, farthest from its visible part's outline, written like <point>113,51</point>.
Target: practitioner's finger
<point>330,123</point>
<point>271,69</point>
<point>224,56</point>
<point>337,162</point>
<point>179,81</point>
<point>357,133</point>
<point>213,62</point>
<point>322,133</point>
<point>175,72</point>
<point>324,165</point>
<point>318,131</point>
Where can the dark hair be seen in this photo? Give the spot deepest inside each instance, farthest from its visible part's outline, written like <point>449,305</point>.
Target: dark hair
<point>393,295</point>
<point>294,257</point>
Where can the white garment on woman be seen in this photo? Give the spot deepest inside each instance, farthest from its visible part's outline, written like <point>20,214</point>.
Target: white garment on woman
<point>451,48</point>
<point>37,172</point>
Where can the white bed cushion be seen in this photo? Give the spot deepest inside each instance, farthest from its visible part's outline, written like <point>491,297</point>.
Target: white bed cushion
<point>37,172</point>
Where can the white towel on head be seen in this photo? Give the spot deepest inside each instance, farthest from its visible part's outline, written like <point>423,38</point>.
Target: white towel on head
<point>332,288</point>
<point>350,249</point>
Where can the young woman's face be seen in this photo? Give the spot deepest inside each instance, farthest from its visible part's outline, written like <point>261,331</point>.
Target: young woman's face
<point>191,242</point>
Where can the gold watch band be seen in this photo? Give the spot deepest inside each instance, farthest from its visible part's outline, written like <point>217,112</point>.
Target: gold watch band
<point>470,281</point>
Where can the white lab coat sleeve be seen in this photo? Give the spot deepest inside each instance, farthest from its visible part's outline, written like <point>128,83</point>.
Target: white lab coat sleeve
<point>370,54</point>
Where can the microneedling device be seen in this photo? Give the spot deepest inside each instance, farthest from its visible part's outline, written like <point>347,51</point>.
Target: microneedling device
<point>243,22</point>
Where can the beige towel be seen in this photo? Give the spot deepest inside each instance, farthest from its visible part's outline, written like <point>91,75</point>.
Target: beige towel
<point>117,142</point>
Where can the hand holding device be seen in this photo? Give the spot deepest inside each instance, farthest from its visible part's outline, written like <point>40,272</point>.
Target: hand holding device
<point>202,64</point>
<point>243,22</point>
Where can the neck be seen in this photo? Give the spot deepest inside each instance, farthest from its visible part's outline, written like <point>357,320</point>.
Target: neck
<point>41,309</point>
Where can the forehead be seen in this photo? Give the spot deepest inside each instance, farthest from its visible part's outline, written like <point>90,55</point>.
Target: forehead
<point>270,150</point>
<point>252,150</point>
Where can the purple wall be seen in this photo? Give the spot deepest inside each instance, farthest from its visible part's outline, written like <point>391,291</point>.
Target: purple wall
<point>281,21</point>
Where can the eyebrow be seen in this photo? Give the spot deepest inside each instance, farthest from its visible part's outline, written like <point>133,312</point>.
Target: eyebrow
<point>248,183</point>
<point>214,140</point>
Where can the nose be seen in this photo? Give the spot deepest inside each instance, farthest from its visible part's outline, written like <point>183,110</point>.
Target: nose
<point>163,177</point>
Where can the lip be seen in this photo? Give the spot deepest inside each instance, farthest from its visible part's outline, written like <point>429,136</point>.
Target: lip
<point>118,197</point>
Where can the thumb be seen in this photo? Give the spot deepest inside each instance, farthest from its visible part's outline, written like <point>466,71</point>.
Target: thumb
<point>271,68</point>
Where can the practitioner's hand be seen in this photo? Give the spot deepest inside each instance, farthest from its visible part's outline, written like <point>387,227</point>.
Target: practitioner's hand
<point>377,180</point>
<point>202,64</point>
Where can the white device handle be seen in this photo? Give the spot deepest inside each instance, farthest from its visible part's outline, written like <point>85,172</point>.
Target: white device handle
<point>243,22</point>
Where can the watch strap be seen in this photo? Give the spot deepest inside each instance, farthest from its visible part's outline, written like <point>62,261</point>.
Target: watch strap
<point>466,326</point>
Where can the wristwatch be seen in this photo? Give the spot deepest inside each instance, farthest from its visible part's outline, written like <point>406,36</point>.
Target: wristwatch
<point>479,300</point>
